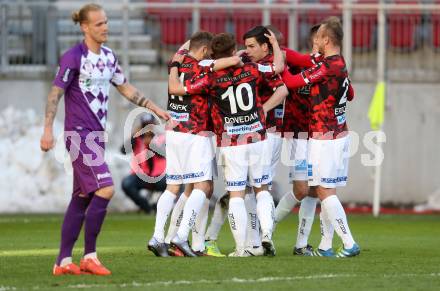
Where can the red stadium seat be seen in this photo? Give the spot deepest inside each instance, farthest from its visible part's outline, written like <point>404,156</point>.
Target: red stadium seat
<point>435,22</point>
<point>314,17</point>
<point>245,19</point>
<point>403,28</point>
<point>173,24</point>
<point>363,27</point>
<point>213,20</point>
<point>280,20</point>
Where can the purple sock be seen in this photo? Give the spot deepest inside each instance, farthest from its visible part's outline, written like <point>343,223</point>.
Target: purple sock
<point>73,221</point>
<point>94,219</point>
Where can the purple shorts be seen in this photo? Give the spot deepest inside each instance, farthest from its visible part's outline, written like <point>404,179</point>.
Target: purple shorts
<point>90,171</point>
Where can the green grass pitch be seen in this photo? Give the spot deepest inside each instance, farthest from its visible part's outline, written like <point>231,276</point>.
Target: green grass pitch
<point>398,253</point>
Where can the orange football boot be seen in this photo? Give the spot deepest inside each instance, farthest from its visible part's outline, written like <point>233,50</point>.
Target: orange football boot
<point>94,267</point>
<point>70,269</point>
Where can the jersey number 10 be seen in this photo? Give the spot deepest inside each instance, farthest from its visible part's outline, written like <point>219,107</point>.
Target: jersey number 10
<point>236,98</point>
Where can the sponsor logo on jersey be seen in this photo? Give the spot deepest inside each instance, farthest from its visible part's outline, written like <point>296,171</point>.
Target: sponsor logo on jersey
<point>279,113</point>
<point>103,176</point>
<point>265,68</point>
<point>340,110</point>
<point>179,116</point>
<point>341,119</point>
<point>179,107</point>
<point>235,183</point>
<point>66,75</point>
<point>234,78</point>
<point>300,165</point>
<point>245,128</point>
<point>334,180</point>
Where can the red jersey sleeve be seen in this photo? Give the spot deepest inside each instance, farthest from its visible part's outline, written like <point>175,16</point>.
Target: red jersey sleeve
<point>199,84</point>
<point>296,59</point>
<point>293,81</point>
<point>315,74</point>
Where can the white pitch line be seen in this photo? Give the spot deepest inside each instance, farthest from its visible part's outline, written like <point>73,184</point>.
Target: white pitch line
<point>240,280</point>
<point>226,281</point>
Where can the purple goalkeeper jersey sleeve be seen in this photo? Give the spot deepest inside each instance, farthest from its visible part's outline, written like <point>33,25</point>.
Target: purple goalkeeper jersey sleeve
<point>85,78</point>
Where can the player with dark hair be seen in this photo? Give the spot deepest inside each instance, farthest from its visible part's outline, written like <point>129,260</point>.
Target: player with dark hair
<point>239,124</point>
<point>84,77</point>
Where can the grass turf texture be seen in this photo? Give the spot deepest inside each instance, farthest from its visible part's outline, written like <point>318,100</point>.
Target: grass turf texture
<point>398,252</point>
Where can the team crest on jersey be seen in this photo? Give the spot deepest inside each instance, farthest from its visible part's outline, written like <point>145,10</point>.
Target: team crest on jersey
<point>304,90</point>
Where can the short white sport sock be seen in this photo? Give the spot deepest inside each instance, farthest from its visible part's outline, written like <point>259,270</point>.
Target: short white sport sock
<point>66,261</point>
<point>253,237</point>
<point>238,221</point>
<point>327,232</point>
<point>93,255</point>
<point>164,206</point>
<point>336,214</point>
<point>192,208</point>
<point>306,216</point>
<point>284,207</point>
<point>176,218</point>
<point>199,228</point>
<point>265,212</point>
<point>217,221</point>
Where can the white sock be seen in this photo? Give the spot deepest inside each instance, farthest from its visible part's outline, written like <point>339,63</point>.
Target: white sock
<point>253,238</point>
<point>164,206</point>
<point>176,218</point>
<point>327,231</point>
<point>285,206</point>
<point>265,212</point>
<point>238,221</point>
<point>306,216</point>
<point>192,208</point>
<point>93,255</point>
<point>336,214</point>
<point>217,221</point>
<point>66,261</point>
<point>199,228</point>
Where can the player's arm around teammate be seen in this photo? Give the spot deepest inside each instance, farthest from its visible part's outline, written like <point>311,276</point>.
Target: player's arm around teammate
<point>328,132</point>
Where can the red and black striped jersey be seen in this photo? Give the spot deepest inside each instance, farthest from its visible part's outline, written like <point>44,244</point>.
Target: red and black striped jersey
<point>190,113</point>
<point>329,88</point>
<point>265,91</point>
<point>237,111</point>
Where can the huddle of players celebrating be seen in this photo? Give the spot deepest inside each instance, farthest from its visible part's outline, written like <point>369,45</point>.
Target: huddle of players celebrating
<point>238,97</point>
<point>252,100</point>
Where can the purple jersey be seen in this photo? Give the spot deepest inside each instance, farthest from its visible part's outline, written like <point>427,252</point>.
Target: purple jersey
<point>85,78</point>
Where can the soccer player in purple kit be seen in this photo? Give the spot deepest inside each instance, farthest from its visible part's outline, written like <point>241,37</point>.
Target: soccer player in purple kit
<point>84,77</point>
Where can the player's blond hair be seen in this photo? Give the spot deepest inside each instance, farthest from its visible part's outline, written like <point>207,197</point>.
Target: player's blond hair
<point>333,29</point>
<point>81,16</point>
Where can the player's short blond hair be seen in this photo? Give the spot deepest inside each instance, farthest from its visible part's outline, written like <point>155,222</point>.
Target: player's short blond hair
<point>333,29</point>
<point>80,16</point>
